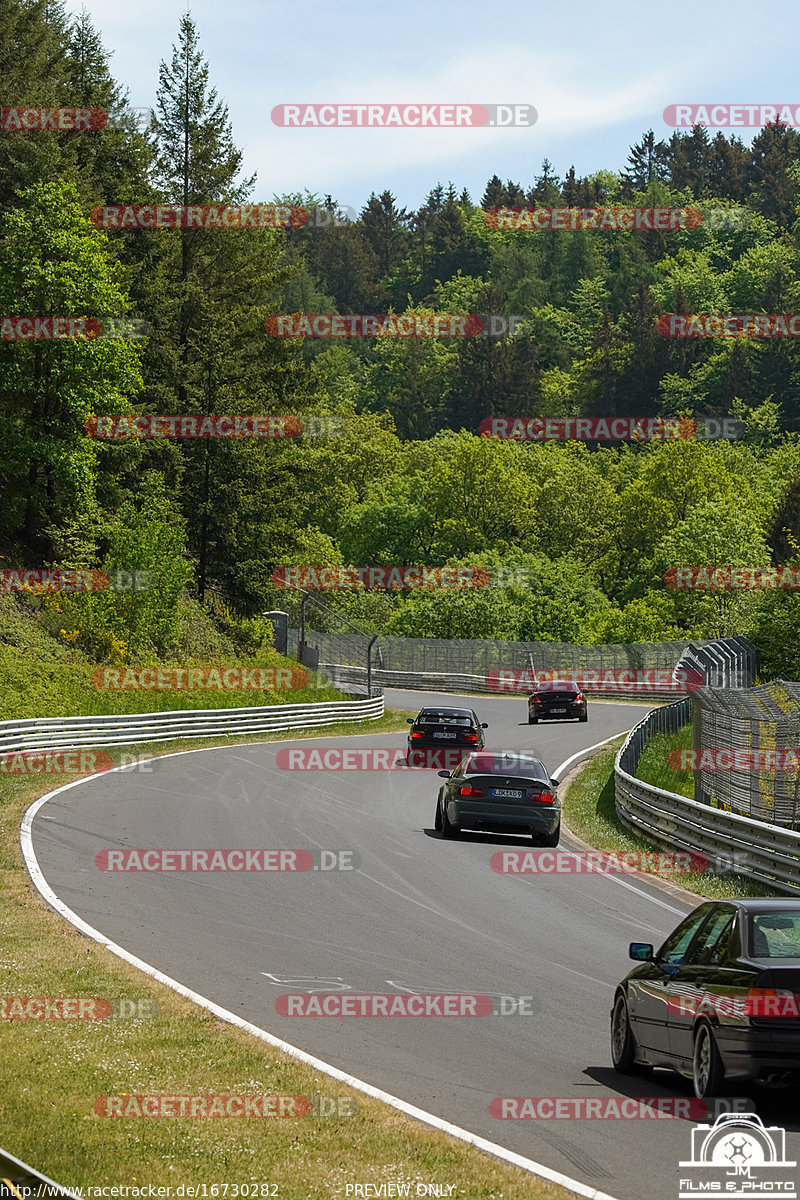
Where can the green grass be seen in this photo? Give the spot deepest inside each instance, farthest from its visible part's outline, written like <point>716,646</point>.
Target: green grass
<point>55,1070</point>
<point>589,812</point>
<point>44,676</point>
<point>654,764</point>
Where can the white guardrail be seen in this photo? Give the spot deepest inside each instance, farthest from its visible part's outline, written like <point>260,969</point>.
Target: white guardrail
<point>340,674</point>
<point>733,844</point>
<point>69,733</point>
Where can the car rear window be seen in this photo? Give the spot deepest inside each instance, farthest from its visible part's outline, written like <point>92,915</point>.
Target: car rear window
<point>507,764</point>
<point>444,719</point>
<point>775,934</point>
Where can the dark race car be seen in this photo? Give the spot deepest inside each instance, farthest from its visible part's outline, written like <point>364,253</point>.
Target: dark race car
<point>441,728</point>
<point>556,700</point>
<point>719,1001</point>
<point>501,792</point>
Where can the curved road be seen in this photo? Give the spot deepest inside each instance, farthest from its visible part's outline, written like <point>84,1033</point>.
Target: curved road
<point>419,914</point>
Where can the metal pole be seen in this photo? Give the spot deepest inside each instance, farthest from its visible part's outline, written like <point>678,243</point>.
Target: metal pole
<point>302,626</point>
<point>369,666</point>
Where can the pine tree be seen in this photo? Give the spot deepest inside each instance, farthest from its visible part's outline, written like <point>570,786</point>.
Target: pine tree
<point>648,160</point>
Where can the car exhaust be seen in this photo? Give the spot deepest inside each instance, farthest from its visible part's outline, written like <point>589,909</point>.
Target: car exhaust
<point>777,1079</point>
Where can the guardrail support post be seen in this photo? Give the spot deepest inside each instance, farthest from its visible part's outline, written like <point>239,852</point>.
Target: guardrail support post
<point>369,666</point>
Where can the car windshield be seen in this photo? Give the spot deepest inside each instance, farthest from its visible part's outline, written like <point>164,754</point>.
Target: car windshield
<point>555,685</point>
<point>775,934</point>
<point>507,764</point>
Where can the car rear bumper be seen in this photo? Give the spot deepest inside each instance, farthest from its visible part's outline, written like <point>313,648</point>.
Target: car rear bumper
<point>505,818</point>
<point>573,710</point>
<point>755,1053</point>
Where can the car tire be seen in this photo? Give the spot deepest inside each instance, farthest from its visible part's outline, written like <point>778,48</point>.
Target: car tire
<point>708,1072</point>
<point>533,720</point>
<point>623,1043</point>
<point>447,829</point>
<point>585,717</point>
<point>548,839</point>
<point>437,820</point>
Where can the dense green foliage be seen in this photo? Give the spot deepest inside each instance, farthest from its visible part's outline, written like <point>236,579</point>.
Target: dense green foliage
<point>576,538</point>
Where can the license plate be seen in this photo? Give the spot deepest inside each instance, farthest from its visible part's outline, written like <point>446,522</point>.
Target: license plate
<point>444,735</point>
<point>558,710</point>
<point>506,793</point>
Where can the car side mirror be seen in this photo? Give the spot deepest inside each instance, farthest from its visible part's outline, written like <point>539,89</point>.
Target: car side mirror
<point>640,952</point>
<point>484,725</point>
<point>554,783</point>
<point>443,774</point>
<point>409,720</point>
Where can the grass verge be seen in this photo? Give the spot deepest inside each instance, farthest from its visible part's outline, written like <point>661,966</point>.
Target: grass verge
<point>54,1070</point>
<point>589,811</point>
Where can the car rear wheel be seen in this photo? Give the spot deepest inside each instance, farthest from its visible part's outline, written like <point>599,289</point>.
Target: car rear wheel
<point>585,717</point>
<point>623,1043</point>
<point>547,839</point>
<point>707,1070</point>
<point>437,820</point>
<point>446,828</point>
<point>533,720</point>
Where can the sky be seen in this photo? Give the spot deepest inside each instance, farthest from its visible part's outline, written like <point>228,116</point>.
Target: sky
<point>598,74</point>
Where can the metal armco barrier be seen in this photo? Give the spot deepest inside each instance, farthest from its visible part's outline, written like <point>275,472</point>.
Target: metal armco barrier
<point>750,848</point>
<point>68,733</point>
<point>446,665</point>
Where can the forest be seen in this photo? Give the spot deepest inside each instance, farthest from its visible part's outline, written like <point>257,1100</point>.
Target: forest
<point>395,464</point>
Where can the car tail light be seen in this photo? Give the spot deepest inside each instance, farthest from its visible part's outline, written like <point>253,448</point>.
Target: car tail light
<point>537,699</point>
<point>416,733</point>
<point>578,699</point>
<point>543,797</point>
<point>471,737</point>
<point>470,791</point>
<point>770,1002</point>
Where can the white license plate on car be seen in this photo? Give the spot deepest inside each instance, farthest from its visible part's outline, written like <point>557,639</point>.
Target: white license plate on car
<point>506,793</point>
<point>444,735</point>
<point>558,710</point>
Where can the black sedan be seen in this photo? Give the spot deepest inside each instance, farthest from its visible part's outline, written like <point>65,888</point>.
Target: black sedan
<point>719,1001</point>
<point>556,700</point>
<point>504,793</point>
<point>444,727</point>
